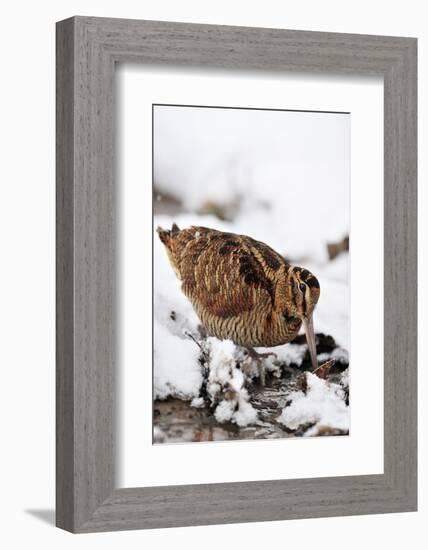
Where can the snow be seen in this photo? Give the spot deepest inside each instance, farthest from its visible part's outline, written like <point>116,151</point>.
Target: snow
<point>282,178</point>
<point>226,384</point>
<point>290,355</point>
<point>322,406</point>
<point>197,402</point>
<point>177,371</point>
<point>250,158</point>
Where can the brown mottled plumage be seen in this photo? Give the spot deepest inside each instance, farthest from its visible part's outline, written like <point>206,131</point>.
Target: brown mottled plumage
<point>241,288</point>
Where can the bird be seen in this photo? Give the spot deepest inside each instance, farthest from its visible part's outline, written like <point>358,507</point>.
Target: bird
<point>241,289</point>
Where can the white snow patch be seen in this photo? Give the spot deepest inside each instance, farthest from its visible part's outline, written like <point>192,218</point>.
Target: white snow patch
<point>226,384</point>
<point>222,361</point>
<point>338,268</point>
<point>323,405</point>
<point>245,414</point>
<point>197,402</point>
<point>177,370</point>
<point>224,411</point>
<point>290,354</point>
<point>339,355</point>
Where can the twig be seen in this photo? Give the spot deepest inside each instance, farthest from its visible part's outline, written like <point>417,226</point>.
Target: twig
<point>190,335</point>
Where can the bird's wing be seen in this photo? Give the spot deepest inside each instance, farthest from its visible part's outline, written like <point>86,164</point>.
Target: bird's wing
<point>269,259</point>
<point>225,275</point>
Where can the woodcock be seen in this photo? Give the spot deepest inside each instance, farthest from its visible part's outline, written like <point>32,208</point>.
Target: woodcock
<point>241,289</point>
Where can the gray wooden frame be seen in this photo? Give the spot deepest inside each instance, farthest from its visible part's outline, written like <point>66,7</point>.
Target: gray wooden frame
<point>87,50</point>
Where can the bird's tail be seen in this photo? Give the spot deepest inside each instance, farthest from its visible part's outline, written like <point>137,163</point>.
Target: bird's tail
<point>166,234</point>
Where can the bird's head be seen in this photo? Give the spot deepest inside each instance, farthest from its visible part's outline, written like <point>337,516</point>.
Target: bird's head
<point>301,293</point>
<point>304,292</point>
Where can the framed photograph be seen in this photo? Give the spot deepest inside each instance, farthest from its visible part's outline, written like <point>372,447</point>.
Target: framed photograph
<point>236,274</point>
<point>220,175</point>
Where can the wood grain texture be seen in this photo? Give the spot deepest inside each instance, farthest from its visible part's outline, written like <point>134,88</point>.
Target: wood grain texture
<point>64,277</point>
<point>87,49</point>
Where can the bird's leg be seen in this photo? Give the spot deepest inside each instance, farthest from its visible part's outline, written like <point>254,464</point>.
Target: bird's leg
<point>258,358</point>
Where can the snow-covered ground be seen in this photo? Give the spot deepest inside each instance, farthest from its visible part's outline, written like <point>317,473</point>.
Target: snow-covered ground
<point>322,406</point>
<point>282,178</point>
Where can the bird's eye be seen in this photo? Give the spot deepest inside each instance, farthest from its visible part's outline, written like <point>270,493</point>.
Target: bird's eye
<point>302,287</point>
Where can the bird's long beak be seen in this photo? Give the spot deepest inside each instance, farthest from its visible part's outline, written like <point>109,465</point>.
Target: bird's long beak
<point>310,338</point>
